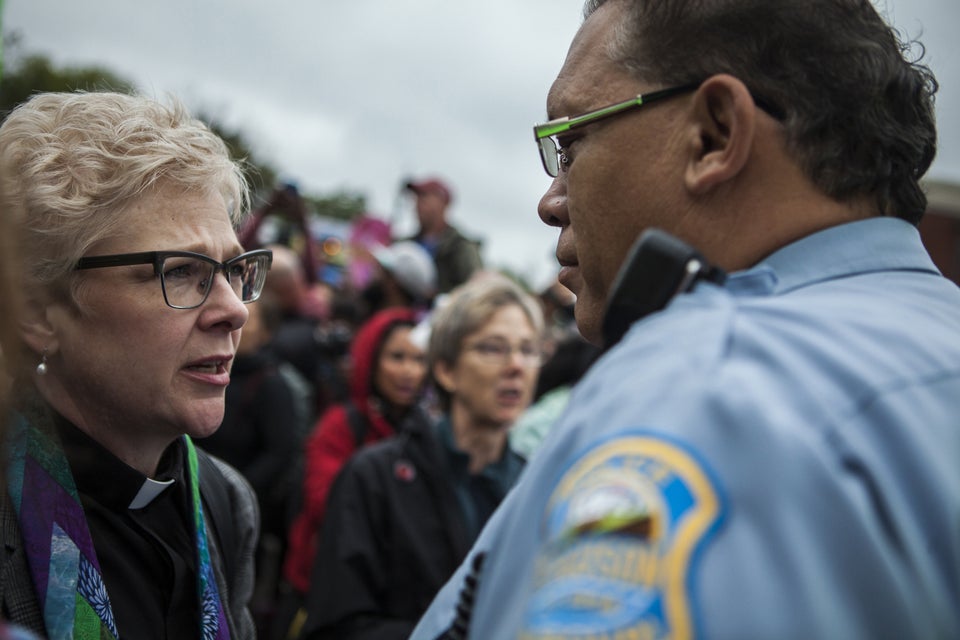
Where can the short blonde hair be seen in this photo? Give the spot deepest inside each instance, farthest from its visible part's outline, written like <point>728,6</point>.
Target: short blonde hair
<point>72,163</point>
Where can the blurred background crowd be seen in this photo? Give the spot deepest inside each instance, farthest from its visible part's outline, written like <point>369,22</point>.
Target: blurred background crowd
<point>342,352</point>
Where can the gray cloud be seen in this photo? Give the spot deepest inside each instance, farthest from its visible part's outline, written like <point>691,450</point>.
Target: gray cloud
<point>358,95</point>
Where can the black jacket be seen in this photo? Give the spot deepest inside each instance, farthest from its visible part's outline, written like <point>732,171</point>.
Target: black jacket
<point>261,435</point>
<point>393,535</point>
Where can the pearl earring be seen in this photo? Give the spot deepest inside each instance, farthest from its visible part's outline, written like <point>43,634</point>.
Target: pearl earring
<point>42,367</point>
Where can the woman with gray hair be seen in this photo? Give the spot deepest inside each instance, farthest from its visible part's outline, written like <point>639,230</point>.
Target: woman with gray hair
<point>115,525</point>
<point>404,512</point>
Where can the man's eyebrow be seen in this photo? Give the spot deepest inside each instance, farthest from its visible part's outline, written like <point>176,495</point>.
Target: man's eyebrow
<point>553,112</point>
<point>561,104</point>
<point>553,100</point>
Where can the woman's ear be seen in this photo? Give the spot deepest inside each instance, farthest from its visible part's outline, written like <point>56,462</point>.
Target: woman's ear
<point>36,329</point>
<point>443,374</point>
<point>721,136</point>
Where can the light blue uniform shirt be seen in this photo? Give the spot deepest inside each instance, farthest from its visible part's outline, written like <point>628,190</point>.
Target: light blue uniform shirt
<point>775,458</point>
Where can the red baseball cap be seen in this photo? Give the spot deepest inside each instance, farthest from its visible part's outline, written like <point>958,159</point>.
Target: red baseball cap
<point>431,185</point>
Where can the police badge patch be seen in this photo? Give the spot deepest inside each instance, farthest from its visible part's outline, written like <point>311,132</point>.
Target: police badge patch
<point>623,528</point>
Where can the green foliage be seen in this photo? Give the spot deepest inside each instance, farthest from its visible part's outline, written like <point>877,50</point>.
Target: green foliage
<point>25,75</point>
<point>35,73</point>
<point>261,175</point>
<point>341,205</point>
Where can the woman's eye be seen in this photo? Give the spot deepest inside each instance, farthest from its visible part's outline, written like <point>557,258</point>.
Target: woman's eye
<point>492,349</point>
<point>185,270</point>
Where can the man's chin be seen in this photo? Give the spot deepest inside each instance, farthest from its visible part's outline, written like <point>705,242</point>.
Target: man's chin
<point>589,318</point>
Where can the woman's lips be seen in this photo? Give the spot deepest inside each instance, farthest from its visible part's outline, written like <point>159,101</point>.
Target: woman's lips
<point>214,370</point>
<point>510,397</point>
<point>211,367</point>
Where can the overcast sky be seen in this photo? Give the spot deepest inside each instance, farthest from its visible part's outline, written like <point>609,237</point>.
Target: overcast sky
<point>358,94</point>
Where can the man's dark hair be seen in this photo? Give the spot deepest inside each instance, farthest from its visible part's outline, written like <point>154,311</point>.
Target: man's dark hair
<point>857,110</point>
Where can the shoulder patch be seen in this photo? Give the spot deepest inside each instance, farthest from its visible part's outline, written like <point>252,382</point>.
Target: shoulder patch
<point>623,530</point>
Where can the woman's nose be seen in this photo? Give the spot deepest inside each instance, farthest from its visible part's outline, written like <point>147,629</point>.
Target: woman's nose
<point>223,305</point>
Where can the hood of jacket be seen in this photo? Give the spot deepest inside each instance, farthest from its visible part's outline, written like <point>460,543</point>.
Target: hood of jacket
<point>365,349</point>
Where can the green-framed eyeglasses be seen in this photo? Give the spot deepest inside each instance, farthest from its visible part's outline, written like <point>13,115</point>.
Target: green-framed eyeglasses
<point>554,159</point>
<point>550,153</point>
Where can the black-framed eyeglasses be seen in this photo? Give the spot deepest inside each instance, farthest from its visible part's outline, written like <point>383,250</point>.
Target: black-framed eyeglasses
<point>550,152</point>
<point>187,277</point>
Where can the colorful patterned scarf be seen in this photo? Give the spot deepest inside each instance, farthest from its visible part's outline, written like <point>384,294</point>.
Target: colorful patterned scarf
<point>60,552</point>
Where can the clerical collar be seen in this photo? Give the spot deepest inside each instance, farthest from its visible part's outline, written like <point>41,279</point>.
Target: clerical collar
<point>110,481</point>
<point>149,490</point>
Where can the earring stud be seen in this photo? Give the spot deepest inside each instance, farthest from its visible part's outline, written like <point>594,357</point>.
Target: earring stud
<point>42,367</point>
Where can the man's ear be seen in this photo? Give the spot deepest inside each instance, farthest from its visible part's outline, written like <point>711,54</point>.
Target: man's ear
<point>721,138</point>
<point>36,329</point>
<point>443,374</point>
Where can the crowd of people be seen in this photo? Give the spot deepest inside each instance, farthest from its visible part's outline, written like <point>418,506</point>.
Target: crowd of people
<point>372,355</point>
<point>762,443</point>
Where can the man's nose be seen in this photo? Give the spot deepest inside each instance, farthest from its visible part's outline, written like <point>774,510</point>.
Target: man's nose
<point>552,208</point>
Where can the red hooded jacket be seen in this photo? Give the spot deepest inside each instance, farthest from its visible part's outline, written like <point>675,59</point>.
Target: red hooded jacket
<point>332,442</point>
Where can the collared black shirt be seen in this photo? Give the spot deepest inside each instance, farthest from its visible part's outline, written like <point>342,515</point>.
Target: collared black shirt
<point>478,494</point>
<point>147,555</point>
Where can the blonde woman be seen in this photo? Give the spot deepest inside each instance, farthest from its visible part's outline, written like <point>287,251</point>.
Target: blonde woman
<point>134,289</point>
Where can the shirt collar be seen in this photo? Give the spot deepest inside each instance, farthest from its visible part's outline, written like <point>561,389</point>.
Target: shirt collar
<point>501,472</point>
<point>149,490</point>
<point>875,244</point>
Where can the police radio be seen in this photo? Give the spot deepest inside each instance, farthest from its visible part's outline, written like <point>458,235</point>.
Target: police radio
<point>658,267</point>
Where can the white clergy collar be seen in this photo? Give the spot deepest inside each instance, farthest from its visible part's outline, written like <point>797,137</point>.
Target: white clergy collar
<point>148,491</point>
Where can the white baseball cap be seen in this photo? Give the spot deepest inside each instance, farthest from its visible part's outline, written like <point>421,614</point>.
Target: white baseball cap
<point>412,267</point>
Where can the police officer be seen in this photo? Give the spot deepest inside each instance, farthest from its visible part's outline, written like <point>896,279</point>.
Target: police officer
<point>776,456</point>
